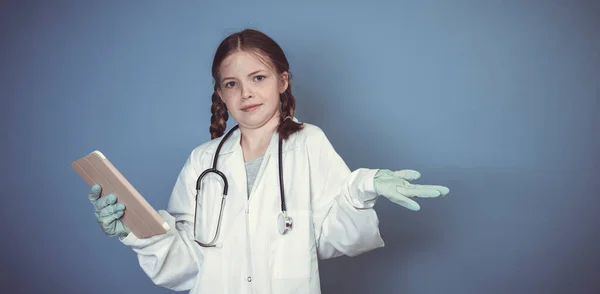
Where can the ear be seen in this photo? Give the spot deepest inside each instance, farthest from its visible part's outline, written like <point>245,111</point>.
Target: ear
<point>284,82</point>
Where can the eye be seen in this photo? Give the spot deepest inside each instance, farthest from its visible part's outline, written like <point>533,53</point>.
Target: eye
<point>229,84</point>
<point>259,78</point>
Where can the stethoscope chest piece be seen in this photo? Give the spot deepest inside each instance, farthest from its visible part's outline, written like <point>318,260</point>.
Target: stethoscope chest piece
<point>284,223</point>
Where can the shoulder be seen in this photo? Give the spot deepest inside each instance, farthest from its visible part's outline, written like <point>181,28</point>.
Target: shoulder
<point>310,131</point>
<point>317,150</point>
<point>310,136</point>
<point>206,148</point>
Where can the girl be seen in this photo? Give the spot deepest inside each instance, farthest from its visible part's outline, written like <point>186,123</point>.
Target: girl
<point>291,198</point>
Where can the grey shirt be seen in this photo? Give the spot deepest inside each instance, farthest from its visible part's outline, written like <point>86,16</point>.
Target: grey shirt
<point>252,168</point>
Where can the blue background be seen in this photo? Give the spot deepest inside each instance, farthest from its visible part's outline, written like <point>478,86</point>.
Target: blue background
<point>497,100</point>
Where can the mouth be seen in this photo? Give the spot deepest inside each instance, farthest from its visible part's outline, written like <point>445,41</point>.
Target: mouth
<point>251,107</point>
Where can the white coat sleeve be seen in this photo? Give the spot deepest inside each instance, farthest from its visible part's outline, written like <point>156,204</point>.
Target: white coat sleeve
<point>169,260</point>
<point>343,215</point>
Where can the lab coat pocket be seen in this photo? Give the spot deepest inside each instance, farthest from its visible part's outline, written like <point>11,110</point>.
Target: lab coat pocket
<point>292,253</point>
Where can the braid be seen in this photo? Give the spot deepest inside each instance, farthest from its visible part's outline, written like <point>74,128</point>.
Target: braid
<point>218,120</point>
<point>288,107</point>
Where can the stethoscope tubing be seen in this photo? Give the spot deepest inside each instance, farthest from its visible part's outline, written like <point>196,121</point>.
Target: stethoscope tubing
<point>226,186</point>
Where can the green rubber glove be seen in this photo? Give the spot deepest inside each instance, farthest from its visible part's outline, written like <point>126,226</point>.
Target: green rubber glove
<point>395,186</point>
<point>108,213</point>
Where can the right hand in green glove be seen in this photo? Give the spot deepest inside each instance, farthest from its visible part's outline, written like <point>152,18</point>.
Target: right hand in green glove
<point>108,212</point>
<point>396,186</point>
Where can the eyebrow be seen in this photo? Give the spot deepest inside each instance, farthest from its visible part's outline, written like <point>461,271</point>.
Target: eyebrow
<point>250,74</point>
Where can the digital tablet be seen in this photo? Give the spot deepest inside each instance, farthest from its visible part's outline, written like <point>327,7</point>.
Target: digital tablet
<point>139,217</point>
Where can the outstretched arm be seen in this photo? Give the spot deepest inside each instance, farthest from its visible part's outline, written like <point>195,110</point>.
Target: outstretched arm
<point>343,200</point>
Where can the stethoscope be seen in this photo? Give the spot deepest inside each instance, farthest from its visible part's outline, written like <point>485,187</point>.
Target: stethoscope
<point>284,222</point>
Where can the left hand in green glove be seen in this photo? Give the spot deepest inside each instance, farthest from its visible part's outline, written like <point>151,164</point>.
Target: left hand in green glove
<point>395,186</point>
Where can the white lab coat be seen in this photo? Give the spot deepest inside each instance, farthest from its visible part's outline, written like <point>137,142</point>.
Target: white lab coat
<point>331,208</point>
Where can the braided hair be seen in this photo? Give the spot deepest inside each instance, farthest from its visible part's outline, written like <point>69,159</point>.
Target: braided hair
<point>256,42</point>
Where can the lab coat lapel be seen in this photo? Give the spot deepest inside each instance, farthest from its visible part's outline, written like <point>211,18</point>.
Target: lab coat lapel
<point>236,162</point>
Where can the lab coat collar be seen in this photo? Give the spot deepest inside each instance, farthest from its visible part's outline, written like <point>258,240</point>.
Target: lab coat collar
<point>233,143</point>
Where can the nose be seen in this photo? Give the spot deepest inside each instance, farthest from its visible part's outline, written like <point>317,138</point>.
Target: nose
<point>246,92</point>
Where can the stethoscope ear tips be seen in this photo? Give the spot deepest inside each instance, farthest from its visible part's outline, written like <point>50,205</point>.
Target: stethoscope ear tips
<point>284,223</point>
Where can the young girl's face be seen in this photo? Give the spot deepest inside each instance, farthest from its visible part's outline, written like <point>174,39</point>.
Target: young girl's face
<point>250,89</point>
